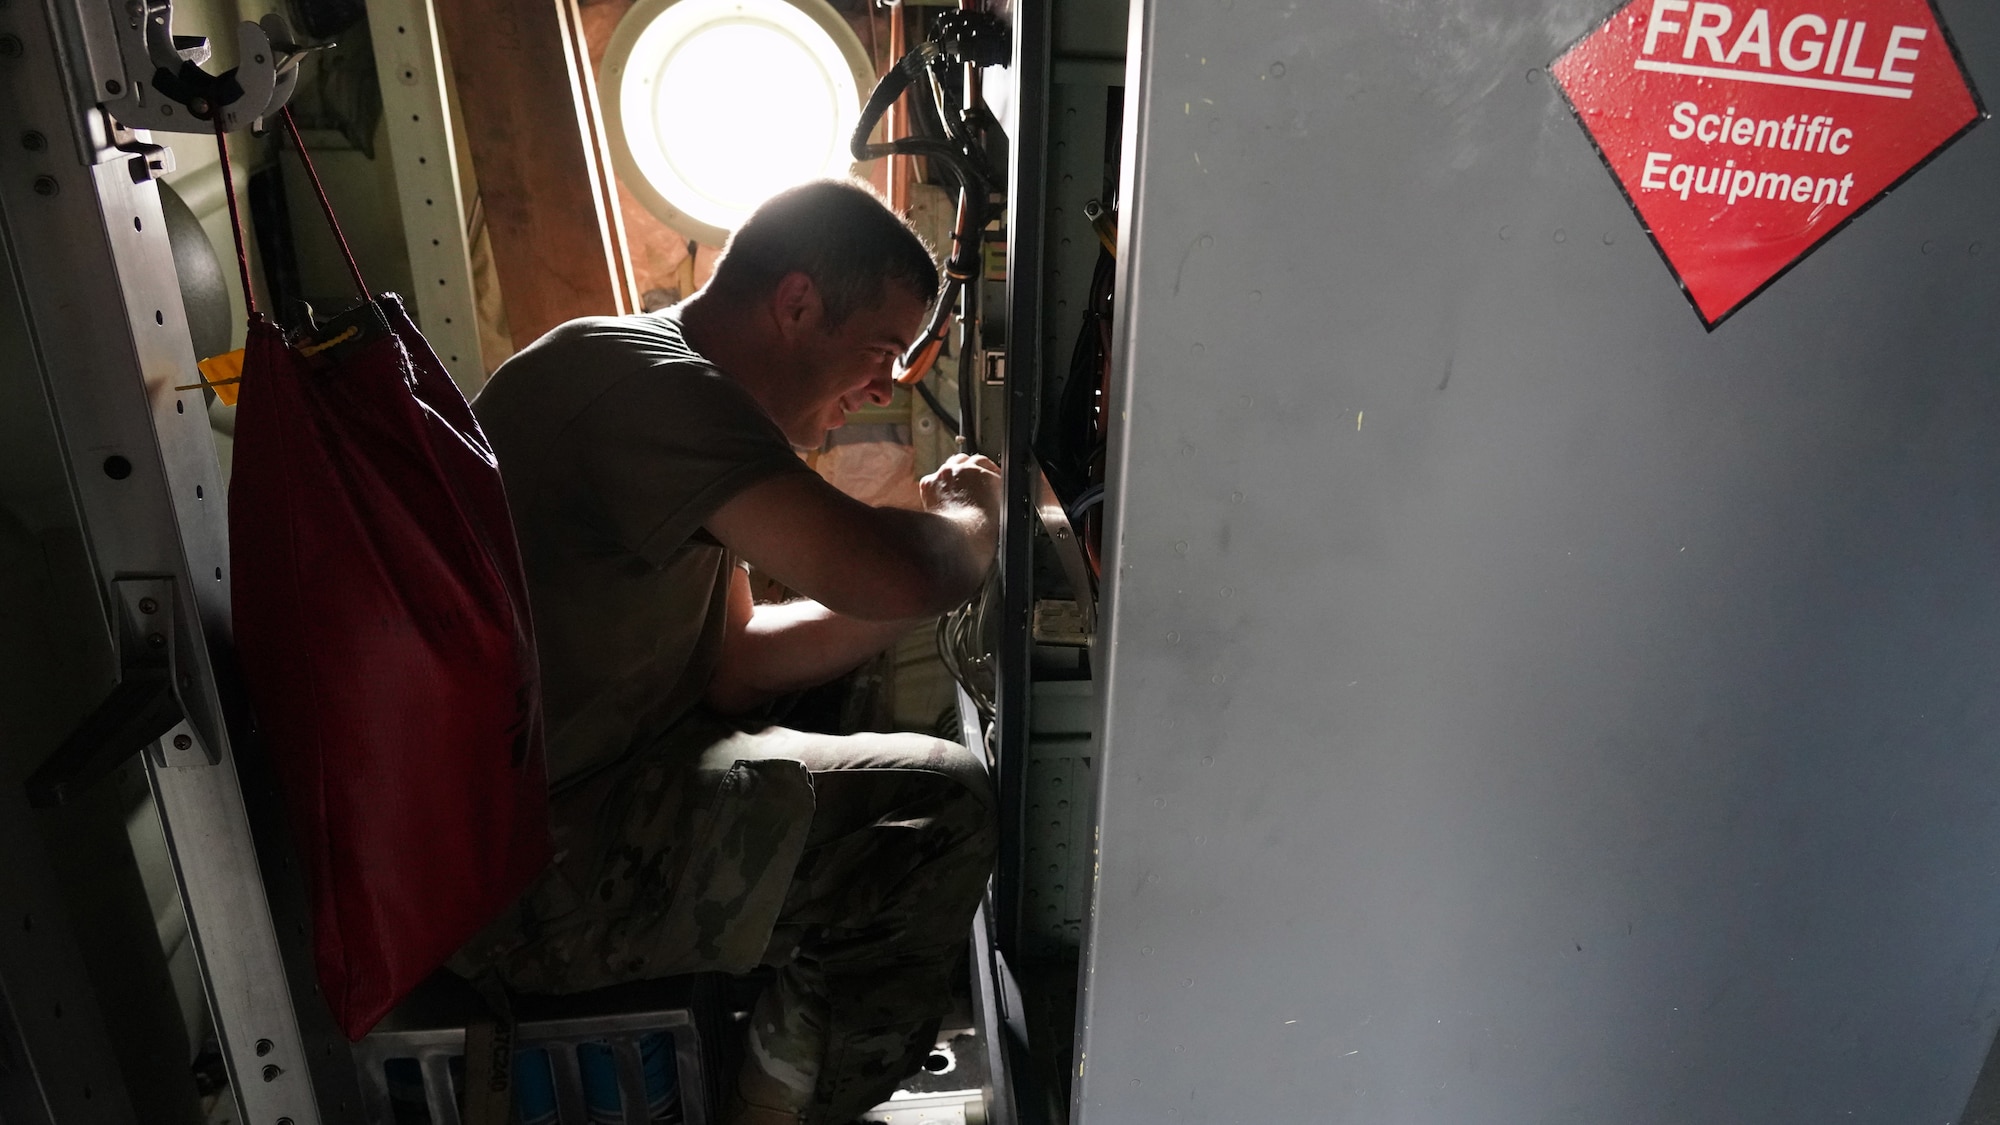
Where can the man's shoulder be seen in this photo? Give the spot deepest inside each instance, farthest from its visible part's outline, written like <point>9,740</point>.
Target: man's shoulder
<point>578,363</point>
<point>600,347</point>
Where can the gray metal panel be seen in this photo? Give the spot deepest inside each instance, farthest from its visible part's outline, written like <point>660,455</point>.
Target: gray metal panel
<point>1524,706</point>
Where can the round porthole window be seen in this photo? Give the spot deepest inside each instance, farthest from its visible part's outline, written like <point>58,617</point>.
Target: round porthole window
<point>713,106</point>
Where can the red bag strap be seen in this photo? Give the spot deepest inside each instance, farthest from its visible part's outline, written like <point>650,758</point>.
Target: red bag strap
<point>319,192</point>
<point>299,143</point>
<point>235,220</point>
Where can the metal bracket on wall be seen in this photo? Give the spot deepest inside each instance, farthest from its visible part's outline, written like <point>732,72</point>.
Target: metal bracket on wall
<point>144,709</point>
<point>124,60</point>
<point>165,89</point>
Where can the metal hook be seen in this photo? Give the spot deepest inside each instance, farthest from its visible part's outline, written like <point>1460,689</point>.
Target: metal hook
<point>166,90</point>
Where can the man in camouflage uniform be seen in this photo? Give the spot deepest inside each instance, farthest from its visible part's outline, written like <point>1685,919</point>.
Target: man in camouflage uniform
<point>646,458</point>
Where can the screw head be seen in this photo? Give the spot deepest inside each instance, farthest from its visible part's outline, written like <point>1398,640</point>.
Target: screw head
<point>10,47</point>
<point>148,605</point>
<point>182,742</point>
<point>47,185</point>
<point>264,1047</point>
<point>34,141</point>
<point>156,640</point>
<point>271,1073</point>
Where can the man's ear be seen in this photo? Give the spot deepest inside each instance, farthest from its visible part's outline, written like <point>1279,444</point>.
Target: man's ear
<point>796,305</point>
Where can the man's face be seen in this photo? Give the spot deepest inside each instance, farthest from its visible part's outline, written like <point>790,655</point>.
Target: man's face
<point>852,364</point>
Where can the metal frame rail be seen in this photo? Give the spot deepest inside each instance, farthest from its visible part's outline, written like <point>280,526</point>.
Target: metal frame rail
<point>87,247</point>
<point>1026,195</point>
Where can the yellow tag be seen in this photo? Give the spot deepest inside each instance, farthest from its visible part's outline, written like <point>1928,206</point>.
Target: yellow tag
<point>224,374</point>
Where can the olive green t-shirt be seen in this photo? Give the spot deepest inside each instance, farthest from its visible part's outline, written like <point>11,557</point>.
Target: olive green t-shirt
<point>616,440</point>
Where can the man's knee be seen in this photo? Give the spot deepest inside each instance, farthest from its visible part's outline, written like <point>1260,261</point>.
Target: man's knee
<point>960,765</point>
<point>962,819</point>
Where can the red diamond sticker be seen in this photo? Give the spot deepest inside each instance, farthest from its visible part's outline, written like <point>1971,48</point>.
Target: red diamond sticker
<point>1745,133</point>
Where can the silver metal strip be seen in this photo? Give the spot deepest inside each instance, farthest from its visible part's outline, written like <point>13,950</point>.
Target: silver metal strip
<point>568,1074</point>
<point>692,1068</point>
<point>439,1093</point>
<point>411,69</point>
<point>631,1080</point>
<point>89,250</point>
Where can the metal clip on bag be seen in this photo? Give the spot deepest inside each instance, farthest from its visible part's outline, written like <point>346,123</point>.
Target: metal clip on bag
<point>381,620</point>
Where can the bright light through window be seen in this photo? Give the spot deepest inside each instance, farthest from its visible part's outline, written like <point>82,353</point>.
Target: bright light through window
<point>722,103</point>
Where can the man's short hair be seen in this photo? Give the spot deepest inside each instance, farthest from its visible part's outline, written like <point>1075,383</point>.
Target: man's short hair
<point>837,232</point>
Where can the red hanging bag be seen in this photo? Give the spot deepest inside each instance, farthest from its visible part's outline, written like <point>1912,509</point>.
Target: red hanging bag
<point>381,620</point>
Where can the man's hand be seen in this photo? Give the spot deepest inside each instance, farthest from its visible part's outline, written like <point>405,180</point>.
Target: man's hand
<point>966,488</point>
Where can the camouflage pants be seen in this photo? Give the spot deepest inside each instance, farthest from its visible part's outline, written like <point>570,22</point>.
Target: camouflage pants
<point>851,864</point>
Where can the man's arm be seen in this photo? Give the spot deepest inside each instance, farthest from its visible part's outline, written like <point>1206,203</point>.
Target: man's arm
<point>871,573</point>
<point>876,564</point>
<point>771,650</point>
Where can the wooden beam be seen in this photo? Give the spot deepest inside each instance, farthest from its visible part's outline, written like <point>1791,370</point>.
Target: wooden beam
<point>531,118</point>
